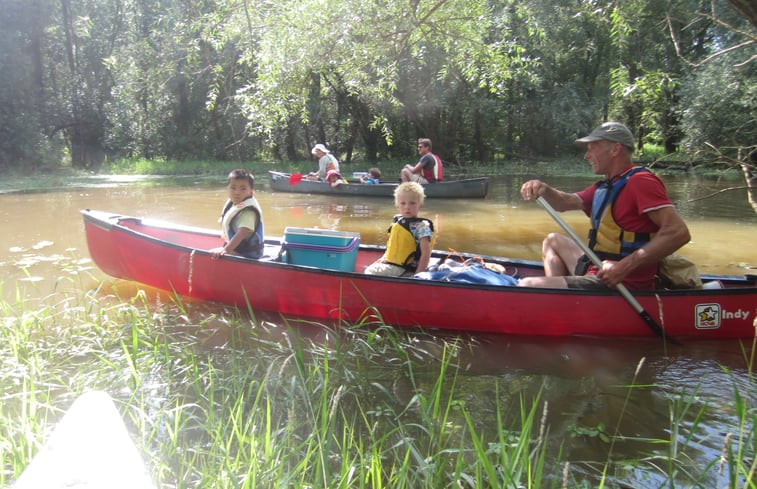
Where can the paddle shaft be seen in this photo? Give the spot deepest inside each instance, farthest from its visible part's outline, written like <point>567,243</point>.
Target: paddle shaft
<point>598,263</point>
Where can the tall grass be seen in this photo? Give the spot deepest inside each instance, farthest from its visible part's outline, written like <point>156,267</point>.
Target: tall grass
<point>219,400</point>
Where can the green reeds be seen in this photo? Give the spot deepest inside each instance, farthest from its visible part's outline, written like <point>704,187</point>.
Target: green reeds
<point>215,399</point>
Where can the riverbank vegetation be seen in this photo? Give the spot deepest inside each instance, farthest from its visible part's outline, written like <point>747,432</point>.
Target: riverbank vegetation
<point>217,397</point>
<point>84,84</point>
<point>138,171</point>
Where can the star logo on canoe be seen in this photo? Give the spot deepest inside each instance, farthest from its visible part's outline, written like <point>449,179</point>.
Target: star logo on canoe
<point>707,316</point>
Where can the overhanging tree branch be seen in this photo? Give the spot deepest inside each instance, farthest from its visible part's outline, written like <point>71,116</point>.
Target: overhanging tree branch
<point>751,38</point>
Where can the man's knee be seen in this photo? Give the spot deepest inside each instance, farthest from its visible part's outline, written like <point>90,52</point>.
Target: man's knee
<point>550,246</point>
<point>553,241</point>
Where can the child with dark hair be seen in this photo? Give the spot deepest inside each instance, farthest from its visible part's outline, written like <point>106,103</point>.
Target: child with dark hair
<point>241,218</point>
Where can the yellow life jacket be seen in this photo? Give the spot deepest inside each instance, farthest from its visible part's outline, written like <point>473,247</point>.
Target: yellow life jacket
<point>606,237</point>
<point>401,248</point>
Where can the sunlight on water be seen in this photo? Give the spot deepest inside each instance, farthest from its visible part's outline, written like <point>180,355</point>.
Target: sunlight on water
<point>43,232</point>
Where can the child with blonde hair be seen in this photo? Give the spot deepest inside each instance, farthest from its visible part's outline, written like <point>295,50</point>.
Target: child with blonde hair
<point>408,249</point>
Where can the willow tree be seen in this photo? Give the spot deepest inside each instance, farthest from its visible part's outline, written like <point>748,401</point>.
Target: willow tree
<point>23,94</point>
<point>720,93</point>
<point>382,72</point>
<point>176,72</point>
<point>54,83</point>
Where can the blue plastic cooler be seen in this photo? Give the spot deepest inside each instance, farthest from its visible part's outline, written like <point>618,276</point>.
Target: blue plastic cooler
<point>322,248</point>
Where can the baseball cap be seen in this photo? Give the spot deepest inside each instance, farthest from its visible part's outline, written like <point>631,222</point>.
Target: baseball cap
<point>610,131</point>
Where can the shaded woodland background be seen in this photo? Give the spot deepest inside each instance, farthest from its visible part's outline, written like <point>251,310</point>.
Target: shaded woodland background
<point>85,81</point>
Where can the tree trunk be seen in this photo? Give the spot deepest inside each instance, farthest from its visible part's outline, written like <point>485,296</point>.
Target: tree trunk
<point>749,167</point>
<point>314,110</point>
<point>290,145</point>
<point>480,149</point>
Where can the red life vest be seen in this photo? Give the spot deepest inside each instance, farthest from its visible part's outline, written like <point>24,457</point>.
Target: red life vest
<point>437,174</point>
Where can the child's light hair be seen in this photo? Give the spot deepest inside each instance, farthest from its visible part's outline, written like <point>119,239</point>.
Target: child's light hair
<point>413,187</point>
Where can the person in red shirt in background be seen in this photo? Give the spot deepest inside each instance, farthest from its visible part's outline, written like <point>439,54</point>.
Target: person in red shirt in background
<point>427,170</point>
<point>634,223</point>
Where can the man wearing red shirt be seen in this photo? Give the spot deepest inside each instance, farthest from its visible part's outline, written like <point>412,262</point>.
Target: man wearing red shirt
<point>427,170</point>
<point>634,223</point>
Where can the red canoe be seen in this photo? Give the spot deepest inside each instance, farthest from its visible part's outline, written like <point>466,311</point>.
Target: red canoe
<point>174,258</point>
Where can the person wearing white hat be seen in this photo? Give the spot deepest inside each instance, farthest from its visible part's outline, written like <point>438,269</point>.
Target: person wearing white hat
<point>326,162</point>
<point>634,225</point>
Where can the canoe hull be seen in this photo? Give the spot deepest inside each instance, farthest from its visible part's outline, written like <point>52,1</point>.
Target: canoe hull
<point>173,258</point>
<point>469,188</point>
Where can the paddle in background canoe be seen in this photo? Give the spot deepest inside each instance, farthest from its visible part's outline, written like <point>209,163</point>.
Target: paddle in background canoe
<point>295,178</point>
<point>598,263</point>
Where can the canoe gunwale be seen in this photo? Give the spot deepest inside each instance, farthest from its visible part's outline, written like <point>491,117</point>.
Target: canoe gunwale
<point>166,259</point>
<point>114,221</point>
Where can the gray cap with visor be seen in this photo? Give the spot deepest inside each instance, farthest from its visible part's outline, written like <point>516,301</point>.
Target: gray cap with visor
<point>610,131</point>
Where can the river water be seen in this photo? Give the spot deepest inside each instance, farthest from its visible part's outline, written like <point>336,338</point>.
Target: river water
<point>43,230</point>
<point>43,251</point>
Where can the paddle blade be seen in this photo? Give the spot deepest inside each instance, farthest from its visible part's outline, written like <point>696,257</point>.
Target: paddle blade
<point>295,178</point>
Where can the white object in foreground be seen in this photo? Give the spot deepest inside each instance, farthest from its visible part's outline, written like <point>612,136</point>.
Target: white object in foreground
<point>89,448</point>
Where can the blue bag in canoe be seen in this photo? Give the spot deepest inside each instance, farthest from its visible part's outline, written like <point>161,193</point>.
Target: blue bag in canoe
<point>471,271</point>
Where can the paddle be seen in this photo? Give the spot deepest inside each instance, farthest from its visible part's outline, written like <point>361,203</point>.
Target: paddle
<point>295,178</point>
<point>597,262</point>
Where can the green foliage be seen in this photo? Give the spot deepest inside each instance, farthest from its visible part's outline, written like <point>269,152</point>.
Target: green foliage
<point>719,103</point>
<point>25,145</point>
<point>86,81</point>
<point>652,152</point>
<point>140,166</point>
<point>599,431</point>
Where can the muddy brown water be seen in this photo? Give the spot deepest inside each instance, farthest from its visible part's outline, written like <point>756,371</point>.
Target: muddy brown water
<point>43,251</point>
<point>42,231</point>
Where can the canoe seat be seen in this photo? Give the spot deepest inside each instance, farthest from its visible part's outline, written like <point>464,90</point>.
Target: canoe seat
<point>713,284</point>
<point>270,253</point>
